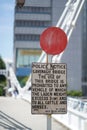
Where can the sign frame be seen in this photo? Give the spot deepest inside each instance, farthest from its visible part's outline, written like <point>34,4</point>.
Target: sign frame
<point>39,103</point>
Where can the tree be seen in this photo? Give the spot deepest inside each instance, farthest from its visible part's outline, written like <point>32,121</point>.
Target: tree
<point>2,64</point>
<point>2,77</point>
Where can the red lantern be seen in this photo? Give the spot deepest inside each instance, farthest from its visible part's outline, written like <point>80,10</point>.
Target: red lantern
<point>53,40</point>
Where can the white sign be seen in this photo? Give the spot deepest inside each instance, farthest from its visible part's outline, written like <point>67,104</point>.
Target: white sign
<point>49,88</point>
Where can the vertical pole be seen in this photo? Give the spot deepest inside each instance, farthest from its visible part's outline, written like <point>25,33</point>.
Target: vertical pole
<point>47,58</point>
<point>48,116</point>
<point>48,122</point>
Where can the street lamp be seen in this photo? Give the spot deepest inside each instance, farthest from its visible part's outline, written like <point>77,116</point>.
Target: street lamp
<point>20,3</point>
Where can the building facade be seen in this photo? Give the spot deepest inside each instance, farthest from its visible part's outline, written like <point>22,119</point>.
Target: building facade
<point>30,21</point>
<point>84,49</point>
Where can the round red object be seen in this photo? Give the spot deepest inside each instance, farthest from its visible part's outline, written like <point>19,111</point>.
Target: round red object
<point>53,40</point>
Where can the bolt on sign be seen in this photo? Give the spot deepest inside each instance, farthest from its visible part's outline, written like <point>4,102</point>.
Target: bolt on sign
<point>49,87</point>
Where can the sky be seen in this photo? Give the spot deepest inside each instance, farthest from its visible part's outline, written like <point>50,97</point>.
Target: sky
<point>6,28</point>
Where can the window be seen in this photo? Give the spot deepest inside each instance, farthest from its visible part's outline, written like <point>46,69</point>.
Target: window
<point>25,57</point>
<point>21,23</point>
<point>27,37</point>
<point>27,9</point>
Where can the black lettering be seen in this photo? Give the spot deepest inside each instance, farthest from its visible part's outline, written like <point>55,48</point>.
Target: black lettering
<point>63,102</point>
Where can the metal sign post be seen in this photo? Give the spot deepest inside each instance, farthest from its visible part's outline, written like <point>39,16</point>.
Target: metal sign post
<point>49,122</point>
<point>48,116</point>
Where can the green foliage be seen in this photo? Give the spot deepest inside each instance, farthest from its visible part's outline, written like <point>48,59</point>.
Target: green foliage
<point>74,93</point>
<point>2,80</point>
<point>2,85</point>
<point>2,77</point>
<point>22,80</point>
<point>1,90</point>
<point>2,64</point>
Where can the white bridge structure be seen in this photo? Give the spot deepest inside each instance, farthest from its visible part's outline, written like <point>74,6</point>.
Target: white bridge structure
<point>76,117</point>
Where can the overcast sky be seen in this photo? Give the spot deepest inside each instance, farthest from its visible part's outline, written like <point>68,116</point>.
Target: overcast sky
<point>6,28</point>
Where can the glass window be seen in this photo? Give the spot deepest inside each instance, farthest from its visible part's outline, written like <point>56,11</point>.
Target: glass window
<point>25,57</point>
<point>31,23</point>
<point>29,37</point>
<point>27,9</point>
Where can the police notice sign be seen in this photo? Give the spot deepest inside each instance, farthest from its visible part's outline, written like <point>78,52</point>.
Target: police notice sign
<point>49,88</point>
